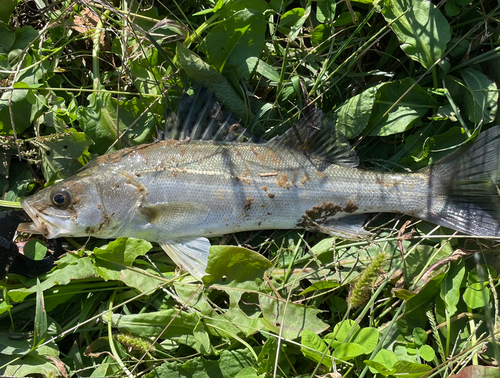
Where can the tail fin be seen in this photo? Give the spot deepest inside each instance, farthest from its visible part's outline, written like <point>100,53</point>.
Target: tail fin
<point>465,196</point>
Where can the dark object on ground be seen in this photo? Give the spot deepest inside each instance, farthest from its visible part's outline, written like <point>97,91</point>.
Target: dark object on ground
<point>11,261</point>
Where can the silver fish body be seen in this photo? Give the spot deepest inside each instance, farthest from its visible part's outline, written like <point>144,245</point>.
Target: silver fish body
<point>178,193</point>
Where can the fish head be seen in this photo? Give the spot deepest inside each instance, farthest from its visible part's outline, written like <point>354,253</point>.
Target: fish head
<point>86,204</point>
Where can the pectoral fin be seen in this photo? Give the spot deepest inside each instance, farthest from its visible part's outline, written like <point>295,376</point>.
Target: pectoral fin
<point>173,215</point>
<point>189,254</point>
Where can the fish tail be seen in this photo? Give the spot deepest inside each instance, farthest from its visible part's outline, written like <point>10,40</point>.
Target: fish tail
<point>463,187</point>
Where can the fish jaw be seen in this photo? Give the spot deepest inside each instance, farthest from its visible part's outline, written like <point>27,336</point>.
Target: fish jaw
<point>49,227</point>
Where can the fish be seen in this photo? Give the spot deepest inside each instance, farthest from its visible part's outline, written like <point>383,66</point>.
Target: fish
<point>209,178</point>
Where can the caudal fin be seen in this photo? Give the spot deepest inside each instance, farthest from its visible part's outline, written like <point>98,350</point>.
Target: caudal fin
<point>463,187</point>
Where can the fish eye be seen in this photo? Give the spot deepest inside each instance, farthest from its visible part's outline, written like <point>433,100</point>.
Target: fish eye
<point>61,198</point>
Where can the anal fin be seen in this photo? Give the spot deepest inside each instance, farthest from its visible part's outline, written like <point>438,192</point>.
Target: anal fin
<point>190,254</point>
<point>348,227</point>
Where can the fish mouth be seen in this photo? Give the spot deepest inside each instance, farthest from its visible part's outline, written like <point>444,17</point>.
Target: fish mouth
<point>37,226</point>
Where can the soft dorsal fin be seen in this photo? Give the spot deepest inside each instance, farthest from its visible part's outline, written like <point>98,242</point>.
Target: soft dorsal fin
<point>317,137</point>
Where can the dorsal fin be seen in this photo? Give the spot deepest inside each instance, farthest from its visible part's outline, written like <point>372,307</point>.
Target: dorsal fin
<point>201,117</point>
<point>318,138</point>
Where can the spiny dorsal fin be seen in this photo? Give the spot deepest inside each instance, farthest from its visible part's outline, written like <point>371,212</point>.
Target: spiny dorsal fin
<point>201,117</point>
<point>317,137</point>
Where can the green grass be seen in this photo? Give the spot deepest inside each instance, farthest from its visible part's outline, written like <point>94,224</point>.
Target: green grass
<point>405,81</point>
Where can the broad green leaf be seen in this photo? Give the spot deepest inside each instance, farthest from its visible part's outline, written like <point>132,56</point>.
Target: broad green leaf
<point>320,34</point>
<point>266,70</point>
<point>295,29</point>
<point>231,265</point>
<point>248,372</point>
<point>345,19</point>
<point>64,155</point>
<point>377,367</point>
<point>450,286</point>
<point>315,349</point>
<point>342,330</point>
<point>348,351</point>
<point>35,249</point>
<point>99,121</point>
<point>39,362</point>
<point>481,98</point>
<point>230,363</point>
<point>419,336</point>
<point>427,353</point>
<point>21,111</point>
<point>410,109</point>
<point>290,317</point>
<point>410,369</point>
<point>200,71</point>
<point>6,9</point>
<point>368,338</point>
<point>123,250</point>
<point>113,262</point>
<point>290,18</point>
<point>267,356</point>
<point>11,346</point>
<point>383,362</point>
<point>475,294</point>
<point>231,42</point>
<point>325,12</point>
<point>172,324</point>
<point>73,268</point>
<point>353,115</point>
<point>421,28</point>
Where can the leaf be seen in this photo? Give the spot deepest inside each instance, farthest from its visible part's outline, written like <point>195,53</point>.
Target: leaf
<point>6,9</point>
<point>481,98</point>
<point>427,353</point>
<point>419,336</point>
<point>348,351</point>
<point>172,324</point>
<point>325,12</point>
<point>38,362</point>
<point>420,26</point>
<point>383,362</point>
<point>320,34</point>
<point>368,338</point>
<point>21,111</point>
<point>101,121</point>
<point>73,268</point>
<point>450,286</point>
<point>267,356</point>
<point>230,363</point>
<point>231,265</point>
<point>35,249</point>
<point>410,109</point>
<point>315,349</point>
<point>290,317</point>
<point>410,369</point>
<point>231,42</point>
<point>200,71</point>
<point>475,294</point>
<point>113,262</point>
<point>343,329</point>
<point>353,115</point>
<point>64,155</point>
